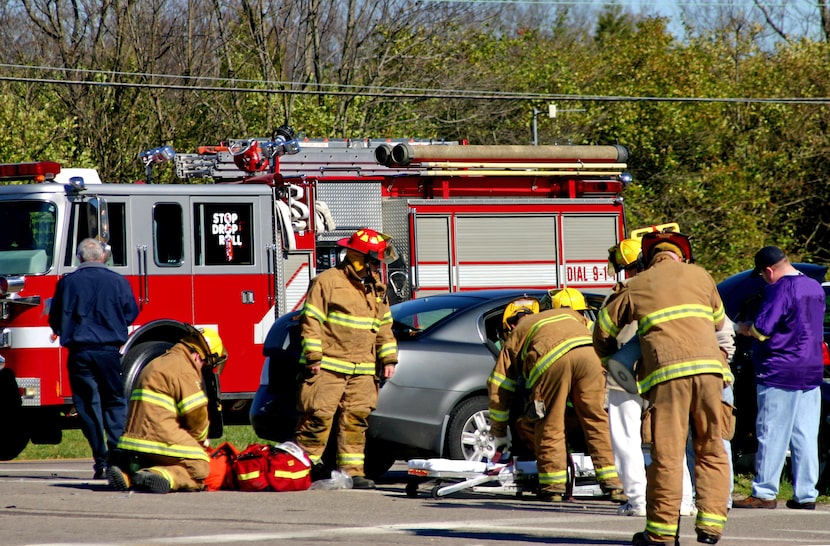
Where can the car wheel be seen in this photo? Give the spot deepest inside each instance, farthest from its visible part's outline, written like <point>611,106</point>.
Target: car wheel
<point>468,434</point>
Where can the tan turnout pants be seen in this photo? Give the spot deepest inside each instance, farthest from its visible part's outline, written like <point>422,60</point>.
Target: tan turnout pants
<point>577,374</point>
<point>672,406</point>
<point>320,397</point>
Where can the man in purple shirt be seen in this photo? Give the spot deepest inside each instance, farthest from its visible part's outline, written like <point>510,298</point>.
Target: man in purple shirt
<point>788,364</point>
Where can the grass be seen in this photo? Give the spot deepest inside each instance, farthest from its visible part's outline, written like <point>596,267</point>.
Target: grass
<point>75,446</point>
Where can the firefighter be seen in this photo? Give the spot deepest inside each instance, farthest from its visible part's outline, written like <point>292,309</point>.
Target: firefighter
<point>164,444</point>
<point>681,375</point>
<point>550,353</point>
<point>625,409</point>
<point>347,341</point>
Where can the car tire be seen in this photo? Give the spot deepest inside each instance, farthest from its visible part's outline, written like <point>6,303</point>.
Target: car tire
<point>468,433</point>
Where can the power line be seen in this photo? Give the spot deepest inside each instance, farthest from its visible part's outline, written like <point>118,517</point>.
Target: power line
<point>389,92</point>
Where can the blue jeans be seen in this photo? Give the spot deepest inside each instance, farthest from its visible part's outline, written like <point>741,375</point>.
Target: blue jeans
<point>98,394</point>
<point>787,418</point>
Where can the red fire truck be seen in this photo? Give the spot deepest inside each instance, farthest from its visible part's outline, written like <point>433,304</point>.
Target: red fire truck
<point>239,251</point>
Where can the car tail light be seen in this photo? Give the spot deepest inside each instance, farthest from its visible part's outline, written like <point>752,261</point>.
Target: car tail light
<point>826,352</point>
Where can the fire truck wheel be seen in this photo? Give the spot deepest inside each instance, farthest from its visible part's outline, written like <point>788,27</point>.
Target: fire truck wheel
<point>469,430</point>
<point>138,357</point>
<point>14,428</point>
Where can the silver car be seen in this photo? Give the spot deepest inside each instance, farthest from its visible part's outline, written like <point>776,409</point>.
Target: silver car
<point>436,403</point>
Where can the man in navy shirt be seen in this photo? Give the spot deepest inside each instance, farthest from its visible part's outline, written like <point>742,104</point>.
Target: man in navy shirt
<point>91,311</point>
<point>788,364</point>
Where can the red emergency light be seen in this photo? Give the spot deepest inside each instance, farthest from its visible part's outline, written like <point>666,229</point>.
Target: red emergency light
<point>38,171</point>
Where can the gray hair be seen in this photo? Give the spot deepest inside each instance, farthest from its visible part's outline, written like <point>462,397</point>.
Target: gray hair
<point>90,250</point>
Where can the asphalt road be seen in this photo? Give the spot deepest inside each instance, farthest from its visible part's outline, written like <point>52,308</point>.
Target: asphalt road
<point>56,503</point>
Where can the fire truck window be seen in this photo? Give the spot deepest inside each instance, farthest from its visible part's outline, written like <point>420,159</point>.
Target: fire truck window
<point>27,240</point>
<point>226,231</point>
<point>168,234</point>
<point>81,228</point>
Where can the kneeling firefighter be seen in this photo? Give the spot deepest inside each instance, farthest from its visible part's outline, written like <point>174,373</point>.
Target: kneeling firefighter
<point>550,355</point>
<point>347,343</point>
<point>164,444</point>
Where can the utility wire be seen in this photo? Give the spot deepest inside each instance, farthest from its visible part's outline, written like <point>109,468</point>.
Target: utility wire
<point>292,88</point>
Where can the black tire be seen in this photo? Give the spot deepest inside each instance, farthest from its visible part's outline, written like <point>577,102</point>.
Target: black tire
<point>468,435</point>
<point>14,427</point>
<point>380,457</point>
<point>138,357</point>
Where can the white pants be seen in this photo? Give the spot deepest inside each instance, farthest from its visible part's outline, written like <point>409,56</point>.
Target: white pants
<point>625,412</point>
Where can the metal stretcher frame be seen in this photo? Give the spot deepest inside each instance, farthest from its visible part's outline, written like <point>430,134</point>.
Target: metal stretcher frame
<point>514,478</point>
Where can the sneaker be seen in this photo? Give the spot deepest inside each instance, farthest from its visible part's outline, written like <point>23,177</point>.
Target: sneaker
<point>117,479</point>
<point>629,509</point>
<point>144,480</point>
<point>688,509</point>
<point>795,505</point>
<point>705,538</point>
<point>642,539</point>
<point>100,474</point>
<point>362,482</point>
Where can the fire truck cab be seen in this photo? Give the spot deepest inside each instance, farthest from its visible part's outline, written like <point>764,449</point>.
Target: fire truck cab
<point>193,254</point>
<point>236,253</point>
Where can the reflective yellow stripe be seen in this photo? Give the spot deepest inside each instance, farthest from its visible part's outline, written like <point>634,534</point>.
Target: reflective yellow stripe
<point>682,369</point>
<point>553,355</point>
<point>708,519</point>
<point>164,474</point>
<point>350,368</point>
<point>606,473</point>
<point>314,312</point>
<point>352,321</point>
<point>154,398</point>
<point>499,416</point>
<point>191,402</point>
<point>387,349</point>
<point>553,478</point>
<point>606,324</point>
<point>161,448</point>
<point>350,459</point>
<point>249,475</point>
<point>675,312</point>
<point>292,475</point>
<point>661,529</point>
<point>535,328</point>
<point>502,382</point>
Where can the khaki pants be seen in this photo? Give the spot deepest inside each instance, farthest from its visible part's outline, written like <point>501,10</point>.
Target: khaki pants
<point>673,405</point>
<point>320,397</point>
<point>577,374</point>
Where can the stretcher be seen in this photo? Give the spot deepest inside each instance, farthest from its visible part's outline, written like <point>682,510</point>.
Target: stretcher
<point>513,477</point>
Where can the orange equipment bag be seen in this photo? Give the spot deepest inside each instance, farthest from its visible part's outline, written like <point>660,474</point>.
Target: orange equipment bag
<point>289,468</point>
<point>221,463</point>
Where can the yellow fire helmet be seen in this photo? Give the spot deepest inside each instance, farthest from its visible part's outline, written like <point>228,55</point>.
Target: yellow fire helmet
<point>566,297</point>
<point>626,255</point>
<point>516,309</point>
<point>209,345</point>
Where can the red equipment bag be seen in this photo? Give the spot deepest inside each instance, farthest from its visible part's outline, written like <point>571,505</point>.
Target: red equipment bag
<point>222,458</point>
<point>289,468</point>
<point>251,468</point>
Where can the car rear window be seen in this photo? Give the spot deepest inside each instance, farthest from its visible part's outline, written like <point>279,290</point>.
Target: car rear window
<point>423,313</point>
